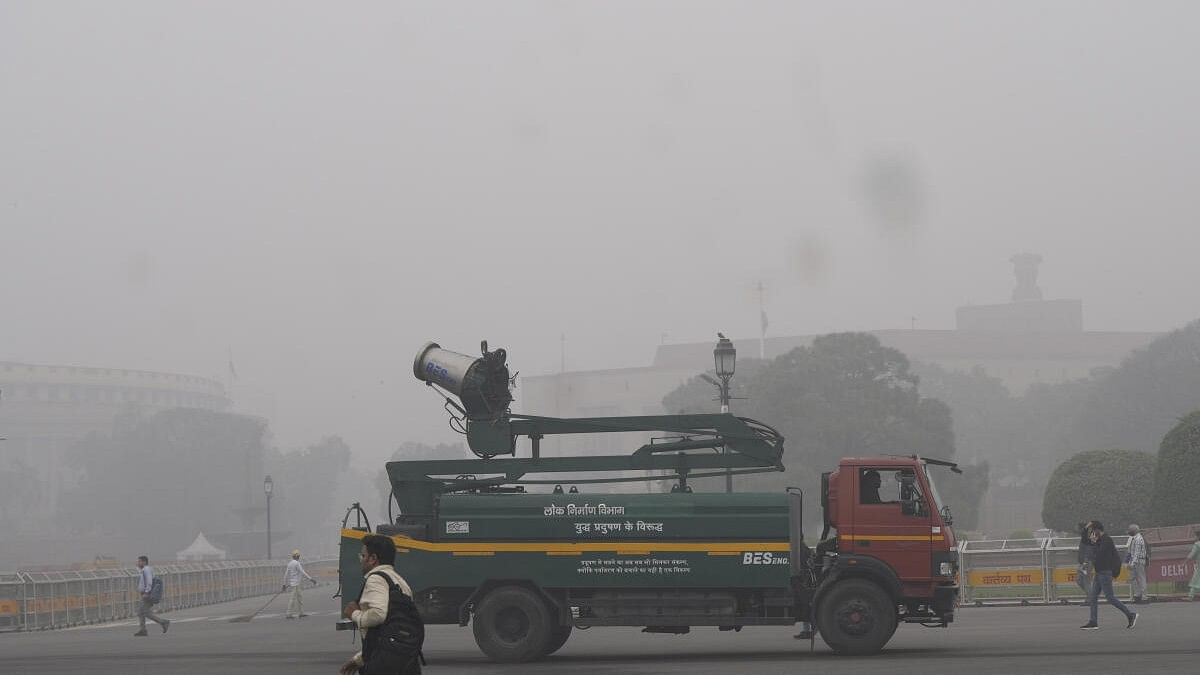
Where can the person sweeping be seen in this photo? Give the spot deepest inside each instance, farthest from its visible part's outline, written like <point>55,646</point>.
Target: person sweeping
<point>291,580</point>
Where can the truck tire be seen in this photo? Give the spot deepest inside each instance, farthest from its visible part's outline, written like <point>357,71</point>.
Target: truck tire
<point>512,624</point>
<point>857,617</point>
<point>558,638</point>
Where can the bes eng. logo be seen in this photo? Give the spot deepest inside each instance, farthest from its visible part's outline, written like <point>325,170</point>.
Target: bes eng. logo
<point>763,558</point>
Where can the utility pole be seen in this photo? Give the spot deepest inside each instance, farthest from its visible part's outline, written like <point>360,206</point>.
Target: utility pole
<point>762,313</point>
<point>268,488</point>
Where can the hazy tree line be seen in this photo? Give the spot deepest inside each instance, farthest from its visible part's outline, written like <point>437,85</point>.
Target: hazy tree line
<point>847,395</point>
<point>172,474</point>
<point>1126,486</point>
<point>1112,446</point>
<point>165,477</point>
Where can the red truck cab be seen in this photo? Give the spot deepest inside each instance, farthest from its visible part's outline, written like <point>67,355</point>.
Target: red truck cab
<point>891,557</point>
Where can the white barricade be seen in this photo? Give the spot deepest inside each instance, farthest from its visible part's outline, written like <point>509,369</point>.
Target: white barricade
<point>1002,570</point>
<point>57,599</point>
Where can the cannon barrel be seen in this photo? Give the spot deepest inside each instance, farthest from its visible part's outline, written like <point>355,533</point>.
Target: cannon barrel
<point>481,383</point>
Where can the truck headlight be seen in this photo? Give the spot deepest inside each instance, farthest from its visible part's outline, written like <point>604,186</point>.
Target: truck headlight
<point>946,569</point>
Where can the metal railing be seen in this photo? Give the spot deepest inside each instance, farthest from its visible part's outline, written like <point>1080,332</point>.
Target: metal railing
<point>1028,571</point>
<point>44,600</point>
<point>1005,569</point>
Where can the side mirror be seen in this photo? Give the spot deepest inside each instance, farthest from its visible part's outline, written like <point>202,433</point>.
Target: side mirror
<point>947,517</point>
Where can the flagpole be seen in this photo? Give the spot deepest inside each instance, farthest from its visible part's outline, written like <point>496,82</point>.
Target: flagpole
<point>762,314</point>
<point>230,377</point>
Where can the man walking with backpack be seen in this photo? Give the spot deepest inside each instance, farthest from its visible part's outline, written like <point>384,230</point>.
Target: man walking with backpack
<point>393,631</point>
<point>150,589</point>
<point>1108,567</point>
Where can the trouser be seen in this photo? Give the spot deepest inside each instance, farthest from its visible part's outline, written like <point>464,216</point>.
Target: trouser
<point>295,603</point>
<point>1104,583</point>
<point>1137,578</point>
<point>390,664</point>
<point>145,612</point>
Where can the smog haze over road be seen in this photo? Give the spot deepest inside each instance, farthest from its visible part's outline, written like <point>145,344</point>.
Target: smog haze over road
<point>323,188</point>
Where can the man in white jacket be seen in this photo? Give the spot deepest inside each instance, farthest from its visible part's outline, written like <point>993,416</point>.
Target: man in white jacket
<point>378,555</point>
<point>291,579</point>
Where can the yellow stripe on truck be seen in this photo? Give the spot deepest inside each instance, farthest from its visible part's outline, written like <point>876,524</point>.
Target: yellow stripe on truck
<point>893,537</point>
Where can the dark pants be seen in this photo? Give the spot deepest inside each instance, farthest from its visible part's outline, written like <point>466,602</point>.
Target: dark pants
<point>146,611</point>
<point>1104,582</point>
<point>390,664</point>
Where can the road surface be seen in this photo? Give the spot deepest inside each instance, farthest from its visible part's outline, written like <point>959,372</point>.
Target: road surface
<point>985,640</point>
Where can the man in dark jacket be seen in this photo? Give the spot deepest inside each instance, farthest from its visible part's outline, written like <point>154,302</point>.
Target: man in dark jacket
<point>1086,558</point>
<point>1108,565</point>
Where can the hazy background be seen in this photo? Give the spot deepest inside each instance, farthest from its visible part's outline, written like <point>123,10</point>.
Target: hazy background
<point>322,187</point>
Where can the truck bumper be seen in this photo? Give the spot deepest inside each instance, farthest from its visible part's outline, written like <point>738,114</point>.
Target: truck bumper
<point>944,600</point>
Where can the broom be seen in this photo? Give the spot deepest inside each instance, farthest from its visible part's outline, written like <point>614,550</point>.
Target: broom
<point>248,617</point>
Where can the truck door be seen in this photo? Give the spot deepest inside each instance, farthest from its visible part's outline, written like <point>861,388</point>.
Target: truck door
<point>892,521</point>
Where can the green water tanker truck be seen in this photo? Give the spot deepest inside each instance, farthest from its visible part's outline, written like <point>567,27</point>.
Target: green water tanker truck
<point>524,569</point>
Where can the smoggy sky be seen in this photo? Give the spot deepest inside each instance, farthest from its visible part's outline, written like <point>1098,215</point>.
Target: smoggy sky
<point>321,187</point>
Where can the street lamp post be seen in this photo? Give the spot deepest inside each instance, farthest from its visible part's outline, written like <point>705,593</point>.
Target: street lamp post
<point>725,361</point>
<point>268,488</point>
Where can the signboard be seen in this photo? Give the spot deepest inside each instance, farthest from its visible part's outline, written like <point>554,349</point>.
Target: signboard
<point>1170,570</point>
<point>1067,575</point>
<point>1031,576</point>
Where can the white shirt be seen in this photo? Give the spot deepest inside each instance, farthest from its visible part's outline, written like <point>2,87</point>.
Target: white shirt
<point>291,576</point>
<point>145,579</point>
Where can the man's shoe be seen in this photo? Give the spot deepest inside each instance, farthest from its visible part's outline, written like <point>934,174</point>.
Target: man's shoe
<point>1133,620</point>
<point>141,633</point>
<point>1089,626</point>
<point>303,616</point>
<point>166,624</point>
<point>290,616</point>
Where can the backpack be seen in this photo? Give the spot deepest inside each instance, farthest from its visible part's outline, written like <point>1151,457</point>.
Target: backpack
<point>156,591</point>
<point>395,644</point>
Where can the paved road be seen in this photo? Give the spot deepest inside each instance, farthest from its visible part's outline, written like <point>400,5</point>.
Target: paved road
<point>986,640</point>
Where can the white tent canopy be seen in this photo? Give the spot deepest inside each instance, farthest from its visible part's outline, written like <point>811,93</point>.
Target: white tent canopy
<point>200,549</point>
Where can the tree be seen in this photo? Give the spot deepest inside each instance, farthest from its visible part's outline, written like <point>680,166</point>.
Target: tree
<point>305,486</point>
<point>963,494</point>
<point>167,476</point>
<point>1112,486</point>
<point>1021,438</point>
<point>1137,404</point>
<point>1176,500</point>
<point>980,406</point>
<point>846,395</point>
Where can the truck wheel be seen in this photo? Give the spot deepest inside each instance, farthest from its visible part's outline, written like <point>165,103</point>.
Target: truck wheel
<point>512,624</point>
<point>857,617</point>
<point>558,638</point>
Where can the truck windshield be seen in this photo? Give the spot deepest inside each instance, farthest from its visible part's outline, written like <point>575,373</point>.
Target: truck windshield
<point>937,498</point>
